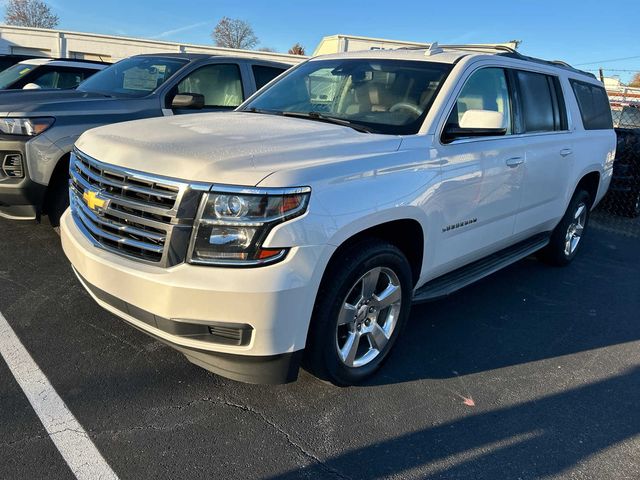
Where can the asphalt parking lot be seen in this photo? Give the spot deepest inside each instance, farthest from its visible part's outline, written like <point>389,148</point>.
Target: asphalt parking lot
<point>532,373</point>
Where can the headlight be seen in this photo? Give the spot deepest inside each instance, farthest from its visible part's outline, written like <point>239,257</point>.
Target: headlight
<point>25,126</point>
<point>233,223</point>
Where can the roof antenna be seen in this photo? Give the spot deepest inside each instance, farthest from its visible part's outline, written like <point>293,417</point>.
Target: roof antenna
<point>433,49</point>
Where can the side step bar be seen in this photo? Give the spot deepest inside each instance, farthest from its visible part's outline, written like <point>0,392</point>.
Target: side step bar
<point>460,278</point>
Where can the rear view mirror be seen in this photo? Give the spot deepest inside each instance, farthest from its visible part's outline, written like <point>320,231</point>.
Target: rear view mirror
<point>31,86</point>
<point>193,101</point>
<point>476,123</point>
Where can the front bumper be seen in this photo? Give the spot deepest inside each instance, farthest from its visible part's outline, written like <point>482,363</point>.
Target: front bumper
<point>184,306</point>
<point>20,198</point>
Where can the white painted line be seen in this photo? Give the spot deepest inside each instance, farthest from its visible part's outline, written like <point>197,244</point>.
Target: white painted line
<point>77,449</point>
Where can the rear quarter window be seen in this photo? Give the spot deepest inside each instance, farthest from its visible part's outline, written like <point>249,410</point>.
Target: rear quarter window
<point>594,105</point>
<point>264,74</point>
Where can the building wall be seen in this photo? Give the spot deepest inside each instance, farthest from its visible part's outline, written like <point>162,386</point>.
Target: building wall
<point>63,44</point>
<point>351,43</point>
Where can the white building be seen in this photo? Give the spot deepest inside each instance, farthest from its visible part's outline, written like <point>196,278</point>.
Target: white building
<point>352,43</point>
<point>111,48</point>
<point>620,95</point>
<point>108,48</point>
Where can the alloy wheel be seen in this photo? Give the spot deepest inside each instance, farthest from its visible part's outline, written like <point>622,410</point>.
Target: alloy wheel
<point>368,317</point>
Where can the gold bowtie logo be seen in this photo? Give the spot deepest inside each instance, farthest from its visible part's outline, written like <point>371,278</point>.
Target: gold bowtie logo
<point>92,200</point>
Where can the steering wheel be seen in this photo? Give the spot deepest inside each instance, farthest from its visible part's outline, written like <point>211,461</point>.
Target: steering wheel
<point>406,106</point>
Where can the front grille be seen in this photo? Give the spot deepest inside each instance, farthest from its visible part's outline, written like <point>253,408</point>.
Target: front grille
<point>130,213</point>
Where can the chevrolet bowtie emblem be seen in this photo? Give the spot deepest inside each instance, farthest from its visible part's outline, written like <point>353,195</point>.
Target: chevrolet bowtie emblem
<point>93,201</point>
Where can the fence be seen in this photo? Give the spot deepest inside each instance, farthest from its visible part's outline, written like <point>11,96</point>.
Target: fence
<point>620,209</point>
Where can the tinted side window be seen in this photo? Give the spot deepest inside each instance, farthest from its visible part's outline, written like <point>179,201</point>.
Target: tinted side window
<point>221,85</point>
<point>594,105</point>
<point>485,89</point>
<point>539,100</point>
<point>264,75</point>
<point>63,78</point>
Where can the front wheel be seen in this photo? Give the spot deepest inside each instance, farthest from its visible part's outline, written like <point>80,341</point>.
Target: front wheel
<point>362,305</point>
<point>567,236</point>
<point>57,200</point>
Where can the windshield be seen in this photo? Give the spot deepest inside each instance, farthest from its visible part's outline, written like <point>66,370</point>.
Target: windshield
<point>384,96</point>
<point>133,77</point>
<point>9,76</point>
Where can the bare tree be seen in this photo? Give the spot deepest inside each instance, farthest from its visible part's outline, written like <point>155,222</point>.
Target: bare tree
<point>30,13</point>
<point>234,33</point>
<point>267,49</point>
<point>297,49</point>
<point>635,81</point>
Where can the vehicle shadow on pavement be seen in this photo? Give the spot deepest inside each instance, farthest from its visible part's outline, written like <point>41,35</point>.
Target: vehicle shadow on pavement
<point>535,439</point>
<point>525,313</point>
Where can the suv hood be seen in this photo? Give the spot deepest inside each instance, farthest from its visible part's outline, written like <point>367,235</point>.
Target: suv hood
<point>56,102</point>
<point>231,148</point>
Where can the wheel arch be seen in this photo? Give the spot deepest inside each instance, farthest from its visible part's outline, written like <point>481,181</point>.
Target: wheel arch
<point>407,234</point>
<point>59,174</point>
<point>590,182</point>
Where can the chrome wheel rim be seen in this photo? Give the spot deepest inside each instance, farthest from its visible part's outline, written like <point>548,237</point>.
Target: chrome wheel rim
<point>368,317</point>
<point>575,230</point>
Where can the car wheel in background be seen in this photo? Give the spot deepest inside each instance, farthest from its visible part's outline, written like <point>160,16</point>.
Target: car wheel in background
<point>566,238</point>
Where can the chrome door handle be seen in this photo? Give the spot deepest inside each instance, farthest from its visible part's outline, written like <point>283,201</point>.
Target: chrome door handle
<point>566,152</point>
<point>515,161</point>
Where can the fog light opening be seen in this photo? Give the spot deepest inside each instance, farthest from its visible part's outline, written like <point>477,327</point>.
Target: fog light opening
<point>12,165</point>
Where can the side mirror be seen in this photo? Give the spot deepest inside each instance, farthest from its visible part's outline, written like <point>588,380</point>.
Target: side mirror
<point>476,123</point>
<point>193,101</point>
<point>31,86</point>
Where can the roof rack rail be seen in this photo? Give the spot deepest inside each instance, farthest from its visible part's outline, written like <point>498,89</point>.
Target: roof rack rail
<point>554,63</point>
<point>500,49</point>
<point>479,46</point>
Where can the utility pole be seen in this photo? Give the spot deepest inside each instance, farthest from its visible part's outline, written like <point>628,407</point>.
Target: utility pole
<point>601,74</point>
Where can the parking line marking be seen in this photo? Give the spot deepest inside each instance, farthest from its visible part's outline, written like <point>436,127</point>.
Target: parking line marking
<point>71,440</point>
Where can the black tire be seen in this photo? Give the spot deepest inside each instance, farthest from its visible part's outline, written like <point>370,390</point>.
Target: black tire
<point>57,200</point>
<point>556,252</point>
<point>342,277</point>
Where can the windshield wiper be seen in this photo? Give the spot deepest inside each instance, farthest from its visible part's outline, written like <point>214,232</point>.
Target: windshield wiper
<point>325,118</point>
<point>259,110</point>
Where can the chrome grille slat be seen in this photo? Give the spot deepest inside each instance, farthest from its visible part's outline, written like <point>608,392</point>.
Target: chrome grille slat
<point>105,181</point>
<point>80,210</point>
<point>135,214</point>
<point>121,201</point>
<point>119,226</point>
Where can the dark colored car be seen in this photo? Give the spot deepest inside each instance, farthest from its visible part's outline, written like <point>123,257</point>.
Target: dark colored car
<point>39,128</point>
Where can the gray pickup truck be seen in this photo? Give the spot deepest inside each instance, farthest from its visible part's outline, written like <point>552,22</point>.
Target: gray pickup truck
<point>38,128</point>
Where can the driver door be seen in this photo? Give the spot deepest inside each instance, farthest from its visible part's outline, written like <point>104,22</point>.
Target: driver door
<point>219,84</point>
<point>482,176</point>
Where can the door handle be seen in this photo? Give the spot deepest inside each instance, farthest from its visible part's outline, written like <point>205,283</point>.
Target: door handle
<point>515,161</point>
<point>566,152</point>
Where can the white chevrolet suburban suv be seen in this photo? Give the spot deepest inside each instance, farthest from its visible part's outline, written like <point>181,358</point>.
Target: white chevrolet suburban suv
<point>301,227</point>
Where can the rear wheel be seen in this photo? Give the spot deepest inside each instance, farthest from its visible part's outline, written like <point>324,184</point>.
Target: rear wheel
<point>361,308</point>
<point>567,236</point>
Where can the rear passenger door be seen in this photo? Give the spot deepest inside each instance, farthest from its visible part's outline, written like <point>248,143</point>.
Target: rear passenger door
<point>548,158</point>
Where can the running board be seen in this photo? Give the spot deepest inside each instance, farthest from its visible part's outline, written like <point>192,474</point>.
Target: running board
<point>460,278</point>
